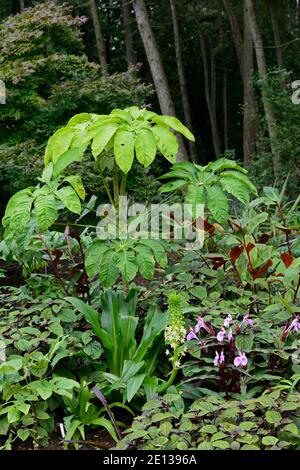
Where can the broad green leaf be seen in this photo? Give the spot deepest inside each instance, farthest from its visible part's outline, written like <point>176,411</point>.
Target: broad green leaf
<point>273,417</point>
<point>72,155</point>
<point>103,422</point>
<point>145,261</point>
<point>76,183</point>
<point>172,186</point>
<point>269,440</point>
<point>104,133</point>
<point>126,263</point>
<point>58,144</point>
<point>237,188</point>
<point>17,213</point>
<point>195,194</point>
<point>124,149</point>
<point>245,342</point>
<point>45,209</point>
<point>166,142</point>
<point>224,164</point>
<point>133,385</point>
<point>158,251</point>
<point>175,124</point>
<point>272,193</point>
<point>109,271</point>
<point>69,198</point>
<point>241,177</point>
<point>217,203</point>
<point>93,257</point>
<point>145,147</point>
<point>92,316</point>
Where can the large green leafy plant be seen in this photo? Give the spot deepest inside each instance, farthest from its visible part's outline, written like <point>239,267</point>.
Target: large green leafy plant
<point>210,185</point>
<point>130,363</point>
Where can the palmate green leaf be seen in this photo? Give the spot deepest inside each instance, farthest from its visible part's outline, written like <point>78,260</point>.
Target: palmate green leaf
<point>104,133</point>
<point>109,270</point>
<point>124,142</point>
<point>195,195</point>
<point>69,198</point>
<point>45,208</point>
<point>93,257</point>
<point>175,124</point>
<point>127,264</point>
<point>76,183</point>
<point>217,203</point>
<point>145,147</point>
<point>166,142</point>
<point>236,187</point>
<point>17,213</point>
<point>145,261</point>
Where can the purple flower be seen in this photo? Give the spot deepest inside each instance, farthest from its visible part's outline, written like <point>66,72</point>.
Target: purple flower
<point>247,320</point>
<point>230,335</point>
<point>216,359</point>
<point>241,360</point>
<point>191,335</point>
<point>295,325</point>
<point>219,358</point>
<point>227,321</point>
<point>220,335</point>
<point>201,324</point>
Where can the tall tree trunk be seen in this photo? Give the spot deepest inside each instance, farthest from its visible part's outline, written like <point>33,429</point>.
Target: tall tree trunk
<point>101,50</point>
<point>274,7</point>
<point>156,67</point>
<point>131,59</point>
<point>209,98</point>
<point>262,70</point>
<point>22,6</point>
<point>225,111</point>
<point>236,32</point>
<point>182,81</point>
<point>250,106</point>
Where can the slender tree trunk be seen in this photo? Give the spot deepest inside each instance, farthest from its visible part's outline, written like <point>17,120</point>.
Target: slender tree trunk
<point>225,111</point>
<point>250,106</point>
<point>262,70</point>
<point>156,67</point>
<point>101,50</point>
<point>236,32</point>
<point>209,98</point>
<point>131,59</point>
<point>182,80</point>
<point>274,7</point>
<point>22,6</point>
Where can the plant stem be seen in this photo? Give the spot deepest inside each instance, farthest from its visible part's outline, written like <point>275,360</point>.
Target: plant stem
<point>168,384</point>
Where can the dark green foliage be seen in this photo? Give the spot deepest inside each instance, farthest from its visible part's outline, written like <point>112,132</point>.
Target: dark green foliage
<point>269,422</point>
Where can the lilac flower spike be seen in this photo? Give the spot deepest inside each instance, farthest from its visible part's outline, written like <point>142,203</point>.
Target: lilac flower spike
<point>241,360</point>
<point>227,321</point>
<point>191,335</point>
